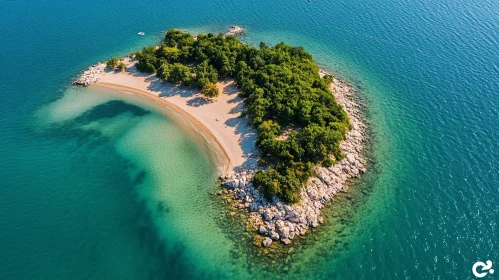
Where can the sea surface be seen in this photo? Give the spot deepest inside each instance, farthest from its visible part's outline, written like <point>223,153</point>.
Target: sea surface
<point>97,184</point>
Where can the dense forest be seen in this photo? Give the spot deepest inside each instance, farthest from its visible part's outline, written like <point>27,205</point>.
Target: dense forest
<point>298,121</point>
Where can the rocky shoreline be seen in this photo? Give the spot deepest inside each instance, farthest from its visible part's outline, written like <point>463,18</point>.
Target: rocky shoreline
<point>278,221</point>
<point>275,220</point>
<point>89,76</point>
<point>234,30</point>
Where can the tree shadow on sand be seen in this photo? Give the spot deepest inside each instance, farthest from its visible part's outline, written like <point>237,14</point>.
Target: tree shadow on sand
<point>230,87</point>
<point>243,129</point>
<point>239,108</point>
<point>199,101</point>
<point>166,89</point>
<point>247,139</point>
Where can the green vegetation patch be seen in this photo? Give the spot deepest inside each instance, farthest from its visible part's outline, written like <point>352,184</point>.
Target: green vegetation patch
<point>298,120</point>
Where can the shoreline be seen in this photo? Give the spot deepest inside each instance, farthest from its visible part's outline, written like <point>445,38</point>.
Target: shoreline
<point>201,128</point>
<point>221,120</point>
<point>278,221</point>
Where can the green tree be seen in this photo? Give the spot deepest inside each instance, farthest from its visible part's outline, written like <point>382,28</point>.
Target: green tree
<point>113,63</point>
<point>180,74</point>
<point>164,71</point>
<point>171,54</point>
<point>205,73</point>
<point>122,67</point>
<point>210,90</point>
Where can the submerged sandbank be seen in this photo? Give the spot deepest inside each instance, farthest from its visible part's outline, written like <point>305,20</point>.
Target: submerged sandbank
<point>220,119</point>
<point>222,159</point>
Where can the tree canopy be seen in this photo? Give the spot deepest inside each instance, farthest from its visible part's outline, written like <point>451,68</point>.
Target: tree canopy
<point>210,90</point>
<point>113,63</point>
<point>298,120</point>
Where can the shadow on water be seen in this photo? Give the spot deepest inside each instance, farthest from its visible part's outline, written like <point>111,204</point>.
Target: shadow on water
<point>164,258</point>
<point>109,109</point>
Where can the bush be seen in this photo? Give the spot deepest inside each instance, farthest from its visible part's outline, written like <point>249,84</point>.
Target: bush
<point>148,62</point>
<point>122,67</point>
<point>164,71</point>
<point>210,90</point>
<point>113,63</point>
<point>180,74</point>
<point>328,162</point>
<point>205,73</point>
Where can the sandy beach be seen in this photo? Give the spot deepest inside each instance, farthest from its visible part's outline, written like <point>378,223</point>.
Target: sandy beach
<point>218,119</point>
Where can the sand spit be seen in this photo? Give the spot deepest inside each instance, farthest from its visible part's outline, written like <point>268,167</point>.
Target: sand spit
<point>220,120</point>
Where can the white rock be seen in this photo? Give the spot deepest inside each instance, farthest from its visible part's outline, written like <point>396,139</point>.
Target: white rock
<point>274,235</point>
<point>266,242</point>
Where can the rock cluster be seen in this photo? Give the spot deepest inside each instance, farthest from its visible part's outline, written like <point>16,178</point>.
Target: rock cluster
<point>89,76</point>
<point>280,221</point>
<point>234,31</point>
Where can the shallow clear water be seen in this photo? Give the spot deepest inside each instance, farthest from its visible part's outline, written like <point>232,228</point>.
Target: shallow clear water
<point>94,186</point>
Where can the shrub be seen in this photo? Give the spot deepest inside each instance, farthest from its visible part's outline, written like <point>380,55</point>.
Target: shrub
<point>113,63</point>
<point>210,90</point>
<point>122,67</point>
<point>180,74</point>
<point>328,162</point>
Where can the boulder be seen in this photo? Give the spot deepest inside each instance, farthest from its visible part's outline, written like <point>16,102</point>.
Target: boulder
<point>267,215</point>
<point>229,184</point>
<point>286,241</point>
<point>277,215</point>
<point>284,233</point>
<point>312,220</point>
<point>262,230</point>
<point>266,242</point>
<point>240,194</point>
<point>274,235</point>
<point>269,226</point>
<point>279,225</point>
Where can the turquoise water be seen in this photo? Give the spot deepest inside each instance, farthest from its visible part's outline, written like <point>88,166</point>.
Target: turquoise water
<point>96,186</point>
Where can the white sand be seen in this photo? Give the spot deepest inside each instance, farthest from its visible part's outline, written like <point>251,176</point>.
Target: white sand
<point>218,119</point>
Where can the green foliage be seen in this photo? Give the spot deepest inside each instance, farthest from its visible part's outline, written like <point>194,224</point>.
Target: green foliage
<point>122,67</point>
<point>210,90</point>
<point>148,62</point>
<point>170,54</point>
<point>328,79</point>
<point>298,120</point>
<point>180,74</point>
<point>113,63</point>
<point>205,73</point>
<point>164,71</point>
<point>328,162</point>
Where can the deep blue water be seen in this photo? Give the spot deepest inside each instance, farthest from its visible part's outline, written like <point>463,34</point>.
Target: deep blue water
<point>76,198</point>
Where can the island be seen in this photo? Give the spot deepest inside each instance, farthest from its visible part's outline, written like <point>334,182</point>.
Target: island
<point>289,134</point>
